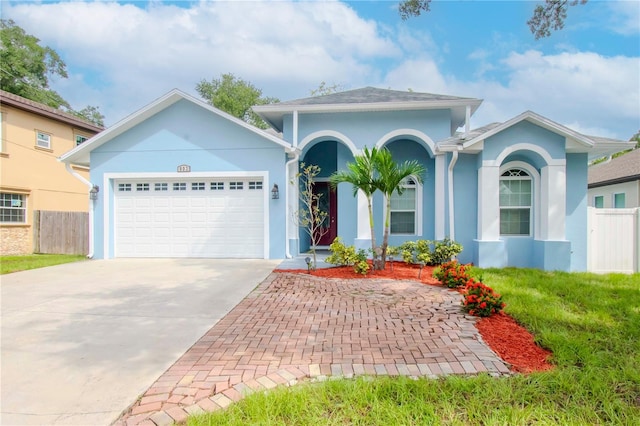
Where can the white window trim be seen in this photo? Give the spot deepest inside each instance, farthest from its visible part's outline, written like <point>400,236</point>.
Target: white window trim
<point>595,197</point>
<point>108,180</point>
<point>75,138</point>
<point>25,207</point>
<point>38,140</point>
<point>419,211</point>
<point>534,222</point>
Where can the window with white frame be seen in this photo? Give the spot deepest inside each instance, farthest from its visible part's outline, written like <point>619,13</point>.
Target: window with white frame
<point>619,200</point>
<point>142,187</point>
<point>43,140</point>
<point>13,208</point>
<point>515,203</point>
<point>217,186</point>
<point>405,209</point>
<point>179,186</point>
<point>124,187</point>
<point>598,201</point>
<point>197,186</point>
<point>255,185</point>
<point>235,185</point>
<point>161,186</point>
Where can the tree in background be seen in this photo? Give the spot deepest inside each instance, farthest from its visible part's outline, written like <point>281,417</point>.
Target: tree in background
<point>547,16</point>
<point>235,96</point>
<point>326,89</point>
<point>25,69</point>
<point>26,66</point>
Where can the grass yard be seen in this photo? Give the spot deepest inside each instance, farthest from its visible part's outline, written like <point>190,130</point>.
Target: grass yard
<point>590,322</point>
<point>10,264</point>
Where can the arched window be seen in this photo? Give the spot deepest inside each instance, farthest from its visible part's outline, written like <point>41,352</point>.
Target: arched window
<point>516,197</point>
<point>405,209</point>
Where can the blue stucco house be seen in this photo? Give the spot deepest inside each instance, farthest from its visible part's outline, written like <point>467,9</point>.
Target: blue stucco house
<point>180,178</point>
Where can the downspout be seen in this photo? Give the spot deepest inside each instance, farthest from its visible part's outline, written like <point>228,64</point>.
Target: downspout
<point>287,248</point>
<point>91,205</point>
<point>452,229</point>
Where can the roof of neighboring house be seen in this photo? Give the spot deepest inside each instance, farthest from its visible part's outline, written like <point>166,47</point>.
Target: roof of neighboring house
<point>368,99</point>
<point>620,169</point>
<point>25,104</point>
<point>81,154</point>
<point>576,142</point>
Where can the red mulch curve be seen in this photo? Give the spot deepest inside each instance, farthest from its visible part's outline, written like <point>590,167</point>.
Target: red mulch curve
<point>512,342</point>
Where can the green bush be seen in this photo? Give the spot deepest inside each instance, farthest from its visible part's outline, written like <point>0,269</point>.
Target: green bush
<point>429,252</point>
<point>348,256</point>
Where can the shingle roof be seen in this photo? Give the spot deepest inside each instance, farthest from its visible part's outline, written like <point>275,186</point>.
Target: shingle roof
<point>620,169</point>
<point>38,108</point>
<point>367,95</point>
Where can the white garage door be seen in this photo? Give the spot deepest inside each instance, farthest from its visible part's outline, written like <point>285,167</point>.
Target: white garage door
<point>215,218</point>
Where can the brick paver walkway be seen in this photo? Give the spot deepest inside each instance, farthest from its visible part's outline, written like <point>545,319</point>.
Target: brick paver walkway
<point>296,326</point>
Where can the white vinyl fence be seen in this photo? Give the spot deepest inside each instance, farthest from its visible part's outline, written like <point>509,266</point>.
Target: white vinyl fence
<point>614,240</point>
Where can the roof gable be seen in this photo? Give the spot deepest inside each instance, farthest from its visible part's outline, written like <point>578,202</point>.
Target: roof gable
<point>81,153</point>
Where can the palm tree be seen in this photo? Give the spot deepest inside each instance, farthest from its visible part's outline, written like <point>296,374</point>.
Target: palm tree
<point>361,174</point>
<point>389,180</point>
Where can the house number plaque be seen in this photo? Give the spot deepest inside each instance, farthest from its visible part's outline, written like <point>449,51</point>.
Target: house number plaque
<point>182,168</point>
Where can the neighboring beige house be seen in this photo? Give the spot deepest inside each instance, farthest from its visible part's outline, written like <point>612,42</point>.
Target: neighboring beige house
<point>616,183</point>
<point>32,136</point>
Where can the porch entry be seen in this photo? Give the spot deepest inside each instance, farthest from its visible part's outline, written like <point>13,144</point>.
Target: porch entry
<point>328,202</point>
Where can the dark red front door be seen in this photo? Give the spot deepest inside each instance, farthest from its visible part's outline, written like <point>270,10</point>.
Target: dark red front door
<point>328,202</point>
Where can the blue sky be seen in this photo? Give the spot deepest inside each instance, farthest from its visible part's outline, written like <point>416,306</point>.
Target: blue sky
<point>122,55</point>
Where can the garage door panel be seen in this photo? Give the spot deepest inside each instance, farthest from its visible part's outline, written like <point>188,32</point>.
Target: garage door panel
<point>199,221</point>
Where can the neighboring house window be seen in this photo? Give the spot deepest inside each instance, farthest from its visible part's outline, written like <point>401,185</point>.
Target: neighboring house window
<point>255,185</point>
<point>235,185</point>
<point>179,186</point>
<point>515,203</point>
<point>124,187</point>
<point>13,208</point>
<point>217,186</point>
<point>80,139</point>
<point>43,140</point>
<point>404,208</point>
<point>619,200</point>
<point>161,187</point>
<point>197,186</point>
<point>142,186</point>
<point>598,201</point>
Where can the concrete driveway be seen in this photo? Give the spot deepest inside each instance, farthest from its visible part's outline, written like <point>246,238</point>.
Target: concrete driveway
<point>81,341</point>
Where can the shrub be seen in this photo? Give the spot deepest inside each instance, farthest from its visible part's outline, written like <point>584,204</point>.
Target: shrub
<point>452,274</point>
<point>429,252</point>
<point>480,300</point>
<point>348,256</point>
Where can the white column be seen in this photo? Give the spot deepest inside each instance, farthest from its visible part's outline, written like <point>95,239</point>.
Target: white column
<point>489,203</point>
<point>553,202</point>
<point>364,228</point>
<point>439,205</point>
<point>292,200</point>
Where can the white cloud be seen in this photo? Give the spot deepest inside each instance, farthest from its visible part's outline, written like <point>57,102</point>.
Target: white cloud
<point>625,17</point>
<point>141,53</point>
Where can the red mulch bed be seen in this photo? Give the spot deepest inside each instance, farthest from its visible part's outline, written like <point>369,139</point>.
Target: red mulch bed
<point>512,342</point>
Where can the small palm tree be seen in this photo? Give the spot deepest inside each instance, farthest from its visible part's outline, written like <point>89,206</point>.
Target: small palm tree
<point>389,179</point>
<point>361,174</point>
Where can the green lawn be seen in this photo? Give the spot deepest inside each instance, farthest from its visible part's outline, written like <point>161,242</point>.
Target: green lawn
<point>10,264</point>
<point>590,322</point>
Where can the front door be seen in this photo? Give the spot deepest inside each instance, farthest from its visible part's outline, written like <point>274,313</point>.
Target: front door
<point>328,202</point>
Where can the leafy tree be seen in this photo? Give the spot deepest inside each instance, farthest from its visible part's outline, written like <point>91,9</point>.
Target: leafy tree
<point>389,179</point>
<point>236,97</point>
<point>545,17</point>
<point>310,216</point>
<point>91,114</point>
<point>325,89</point>
<point>361,174</point>
<point>26,66</point>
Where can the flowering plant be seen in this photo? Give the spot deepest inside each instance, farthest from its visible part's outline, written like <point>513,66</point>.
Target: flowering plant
<point>480,300</point>
<point>452,274</point>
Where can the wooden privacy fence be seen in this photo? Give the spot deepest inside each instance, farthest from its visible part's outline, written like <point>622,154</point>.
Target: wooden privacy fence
<point>614,240</point>
<point>60,232</point>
